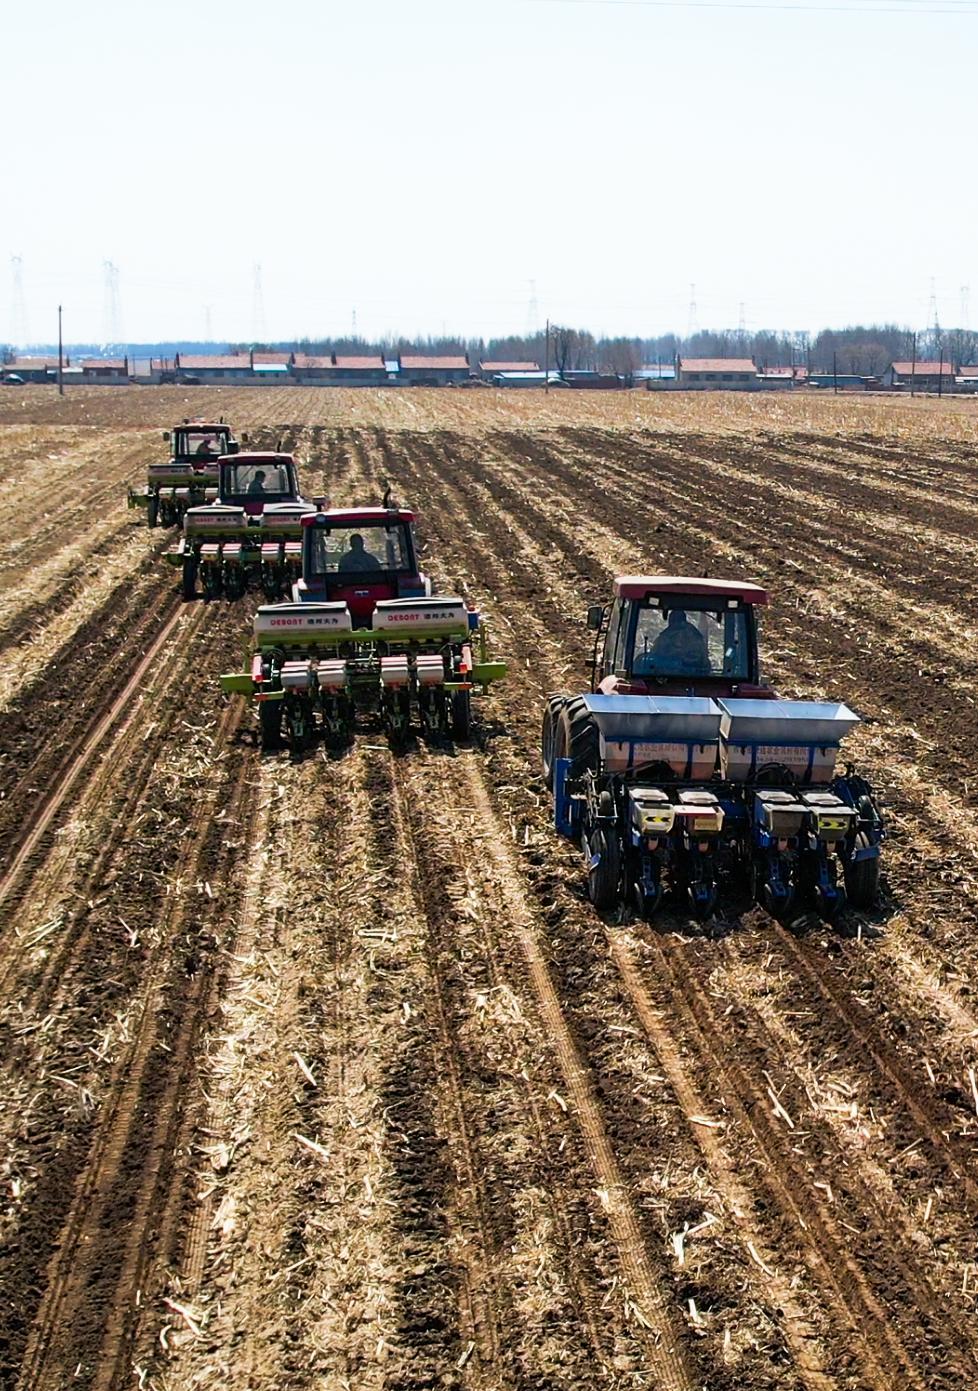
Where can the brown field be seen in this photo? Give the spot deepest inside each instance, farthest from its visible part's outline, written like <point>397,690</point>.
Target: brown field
<point>325,1075</point>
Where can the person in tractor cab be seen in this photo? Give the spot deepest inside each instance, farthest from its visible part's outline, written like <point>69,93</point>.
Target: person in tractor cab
<point>256,488</point>
<point>208,445</point>
<point>680,647</point>
<point>358,558</point>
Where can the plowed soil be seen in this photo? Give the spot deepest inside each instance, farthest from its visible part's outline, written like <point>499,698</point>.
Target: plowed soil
<point>325,1074</point>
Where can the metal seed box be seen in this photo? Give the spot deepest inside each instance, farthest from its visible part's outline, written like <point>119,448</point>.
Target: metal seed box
<point>801,735</point>
<point>681,731</point>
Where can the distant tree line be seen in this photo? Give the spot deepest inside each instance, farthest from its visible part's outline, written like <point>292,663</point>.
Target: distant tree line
<point>866,350</point>
<point>863,349</point>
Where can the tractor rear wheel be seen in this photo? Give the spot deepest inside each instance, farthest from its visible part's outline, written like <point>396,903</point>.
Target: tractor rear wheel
<point>153,509</point>
<point>577,738</point>
<point>189,582</point>
<point>270,717</point>
<point>862,879</point>
<point>548,736</point>
<point>461,714</point>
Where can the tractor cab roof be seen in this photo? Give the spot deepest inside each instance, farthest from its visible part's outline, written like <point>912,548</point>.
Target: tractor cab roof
<point>268,456</point>
<point>648,586</point>
<point>359,516</point>
<point>218,426</point>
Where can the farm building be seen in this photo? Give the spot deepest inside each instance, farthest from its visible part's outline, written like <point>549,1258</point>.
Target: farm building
<point>433,371</point>
<point>105,371</point>
<point>776,378</point>
<point>31,369</point>
<point>492,369</point>
<point>228,367</point>
<point>717,373</point>
<point>538,377</point>
<point>921,376</point>
<point>339,371</point>
<point>845,381</point>
<point>966,378</point>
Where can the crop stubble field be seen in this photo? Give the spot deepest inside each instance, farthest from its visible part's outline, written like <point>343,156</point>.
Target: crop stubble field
<point>326,1075</point>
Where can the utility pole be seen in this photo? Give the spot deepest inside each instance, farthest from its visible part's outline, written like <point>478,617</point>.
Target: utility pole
<point>940,375</point>
<point>61,383</point>
<point>913,369</point>
<point>546,360</point>
<point>835,375</point>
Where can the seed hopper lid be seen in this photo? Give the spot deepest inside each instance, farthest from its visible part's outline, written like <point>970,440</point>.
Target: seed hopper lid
<point>821,723</point>
<point>664,719</point>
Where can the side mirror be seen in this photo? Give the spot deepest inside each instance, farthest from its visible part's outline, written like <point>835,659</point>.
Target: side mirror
<point>244,438</point>
<point>595,617</point>
<point>319,503</point>
<point>166,436</point>
<point>234,446</point>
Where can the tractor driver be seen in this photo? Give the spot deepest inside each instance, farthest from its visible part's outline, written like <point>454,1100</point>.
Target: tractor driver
<point>208,445</point>
<point>358,558</point>
<point>680,647</point>
<point>256,488</point>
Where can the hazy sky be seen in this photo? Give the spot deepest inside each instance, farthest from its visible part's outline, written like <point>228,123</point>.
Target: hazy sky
<point>422,162</point>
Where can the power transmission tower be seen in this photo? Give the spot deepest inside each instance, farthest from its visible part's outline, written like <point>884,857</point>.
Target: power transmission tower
<point>932,314</point>
<point>692,323</point>
<point>742,321</point>
<point>111,312</point>
<point>354,323</point>
<point>966,308</point>
<point>18,305</point>
<point>257,307</point>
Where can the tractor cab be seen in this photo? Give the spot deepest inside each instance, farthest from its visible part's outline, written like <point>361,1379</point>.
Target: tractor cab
<point>675,635</point>
<point>359,556</point>
<point>201,444</point>
<point>255,481</point>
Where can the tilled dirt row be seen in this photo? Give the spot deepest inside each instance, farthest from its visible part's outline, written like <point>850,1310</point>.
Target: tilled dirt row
<point>325,1074</point>
<point>947,1144</point>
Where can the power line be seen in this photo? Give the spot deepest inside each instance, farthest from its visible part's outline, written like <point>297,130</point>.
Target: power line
<point>887,7</point>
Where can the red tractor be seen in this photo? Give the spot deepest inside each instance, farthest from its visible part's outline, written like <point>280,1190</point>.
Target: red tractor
<point>190,477</point>
<point>364,635</point>
<point>682,765</point>
<point>251,532</point>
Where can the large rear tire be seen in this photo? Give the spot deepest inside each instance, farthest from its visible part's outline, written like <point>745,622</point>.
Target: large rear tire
<point>577,738</point>
<point>862,879</point>
<point>548,736</point>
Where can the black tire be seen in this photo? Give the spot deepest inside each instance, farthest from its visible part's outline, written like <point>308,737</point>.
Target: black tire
<point>189,578</point>
<point>862,879</point>
<point>577,738</point>
<point>548,736</point>
<point>603,879</point>
<point>270,718</point>
<point>461,714</point>
<point>153,509</point>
